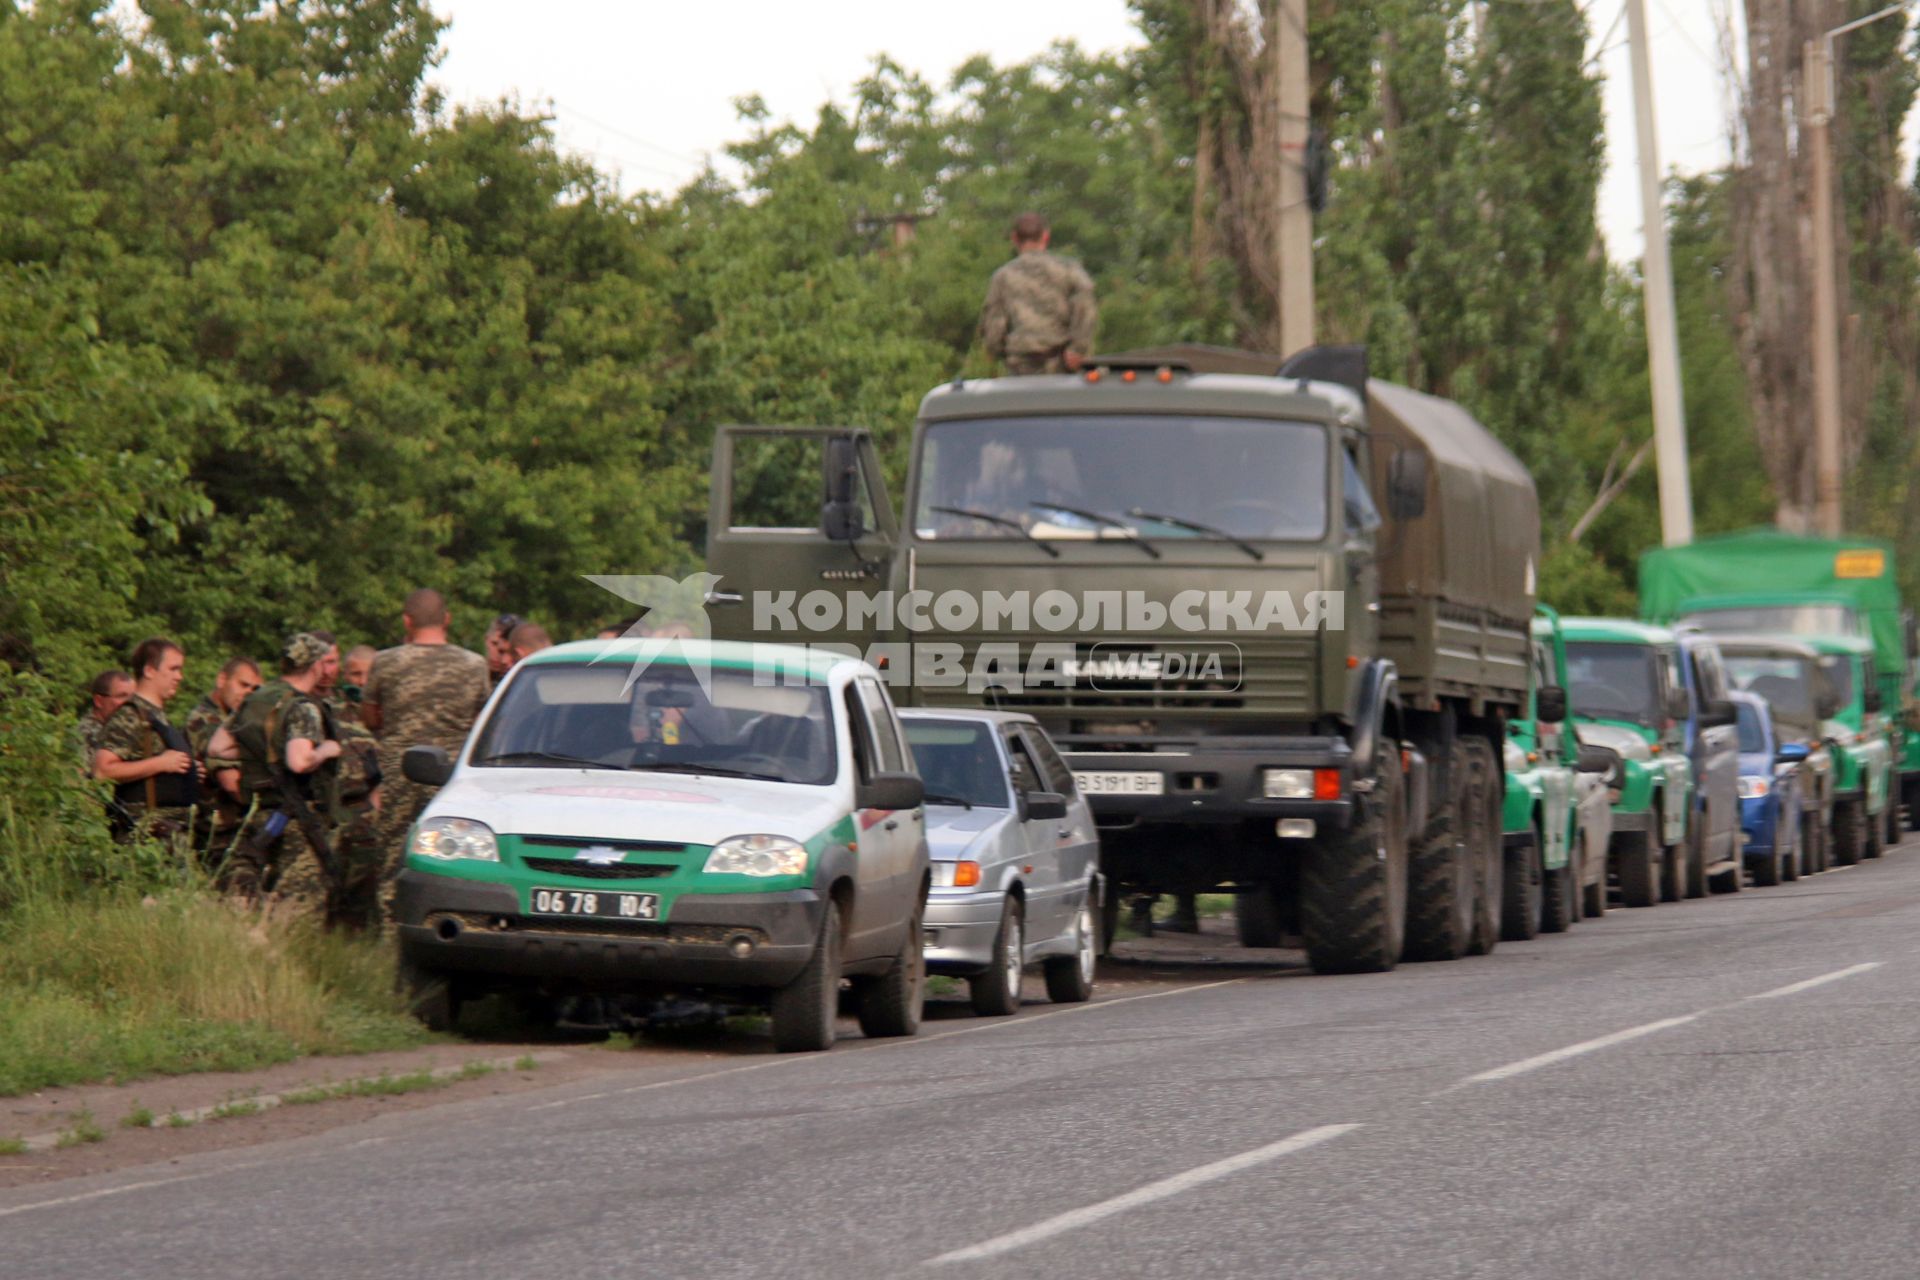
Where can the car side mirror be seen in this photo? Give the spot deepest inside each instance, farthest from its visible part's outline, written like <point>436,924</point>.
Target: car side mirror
<point>892,791</point>
<point>1594,758</point>
<point>426,765</point>
<point>1792,752</point>
<point>1550,705</point>
<point>1718,714</point>
<point>840,517</point>
<point>1407,485</point>
<point>1045,804</point>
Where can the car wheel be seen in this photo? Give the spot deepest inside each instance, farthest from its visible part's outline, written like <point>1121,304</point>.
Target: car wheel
<point>431,995</point>
<point>1070,978</point>
<point>1638,862</point>
<point>1696,864</point>
<point>996,993</point>
<point>804,1010</point>
<point>891,1004</point>
<point>1256,916</point>
<point>1560,892</point>
<point>1523,891</point>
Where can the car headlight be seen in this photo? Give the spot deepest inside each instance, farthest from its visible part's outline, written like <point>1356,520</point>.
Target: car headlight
<point>1287,784</point>
<point>1752,786</point>
<point>757,856</point>
<point>451,838</point>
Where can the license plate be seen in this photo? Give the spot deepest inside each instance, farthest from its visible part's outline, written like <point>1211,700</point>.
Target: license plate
<point>1111,783</point>
<point>596,902</point>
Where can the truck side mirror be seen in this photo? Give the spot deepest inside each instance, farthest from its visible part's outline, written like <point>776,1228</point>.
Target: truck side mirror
<point>840,517</point>
<point>1594,758</point>
<point>1718,714</point>
<point>1826,706</point>
<point>1679,705</point>
<point>1550,705</point>
<point>1407,485</point>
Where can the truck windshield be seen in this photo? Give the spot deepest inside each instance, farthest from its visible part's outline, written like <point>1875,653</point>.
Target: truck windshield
<point>1244,477</point>
<point>1793,619</point>
<point>1614,682</point>
<point>1785,680</point>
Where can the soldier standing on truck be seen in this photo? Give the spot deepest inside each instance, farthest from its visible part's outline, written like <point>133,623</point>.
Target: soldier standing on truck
<point>1039,313</point>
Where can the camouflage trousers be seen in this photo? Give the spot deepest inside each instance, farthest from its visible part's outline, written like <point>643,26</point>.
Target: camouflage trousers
<point>293,879</point>
<point>356,844</point>
<point>400,804</point>
<point>1036,362</point>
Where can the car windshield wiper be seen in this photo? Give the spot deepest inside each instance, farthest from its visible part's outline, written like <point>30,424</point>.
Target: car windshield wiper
<point>1126,531</point>
<point>548,757</point>
<point>1194,525</point>
<point>1004,523</point>
<point>714,770</point>
<point>935,797</point>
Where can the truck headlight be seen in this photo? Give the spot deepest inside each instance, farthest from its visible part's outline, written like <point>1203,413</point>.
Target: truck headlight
<point>1752,786</point>
<point>758,855</point>
<point>451,838</point>
<point>1286,784</point>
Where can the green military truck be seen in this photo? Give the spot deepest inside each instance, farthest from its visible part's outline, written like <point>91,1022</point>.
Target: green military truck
<point>1275,614</point>
<point>1765,581</point>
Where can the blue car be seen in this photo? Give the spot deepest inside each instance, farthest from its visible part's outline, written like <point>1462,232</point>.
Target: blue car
<point>1771,825</point>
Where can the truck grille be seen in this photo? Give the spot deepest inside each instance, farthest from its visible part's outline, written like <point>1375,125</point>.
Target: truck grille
<point>1259,675</point>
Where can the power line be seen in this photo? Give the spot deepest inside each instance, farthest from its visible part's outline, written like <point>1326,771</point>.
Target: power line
<point>682,156</point>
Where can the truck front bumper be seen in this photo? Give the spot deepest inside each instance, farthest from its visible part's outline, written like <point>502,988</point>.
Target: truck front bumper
<point>468,926</point>
<point>1214,779</point>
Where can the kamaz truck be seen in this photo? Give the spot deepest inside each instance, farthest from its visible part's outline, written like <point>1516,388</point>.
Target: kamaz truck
<point>1767,582</point>
<point>1275,614</point>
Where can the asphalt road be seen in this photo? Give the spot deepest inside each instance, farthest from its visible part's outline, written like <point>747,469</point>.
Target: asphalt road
<point>1718,1088</point>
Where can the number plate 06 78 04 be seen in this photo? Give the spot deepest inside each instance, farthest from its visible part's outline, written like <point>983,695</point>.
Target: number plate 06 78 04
<point>599,903</point>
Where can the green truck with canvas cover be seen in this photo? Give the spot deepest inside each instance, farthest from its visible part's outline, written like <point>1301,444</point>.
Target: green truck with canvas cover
<point>1275,616</point>
<point>1765,581</point>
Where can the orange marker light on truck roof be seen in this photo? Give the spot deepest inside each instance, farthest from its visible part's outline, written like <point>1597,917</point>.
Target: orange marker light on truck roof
<point>1093,375</point>
<point>1165,375</point>
<point>1128,375</point>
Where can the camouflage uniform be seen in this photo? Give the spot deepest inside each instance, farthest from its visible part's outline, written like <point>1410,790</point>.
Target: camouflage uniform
<point>288,868</point>
<point>221,819</point>
<point>357,843</point>
<point>86,739</point>
<point>428,695</point>
<point>129,733</point>
<point>1039,307</point>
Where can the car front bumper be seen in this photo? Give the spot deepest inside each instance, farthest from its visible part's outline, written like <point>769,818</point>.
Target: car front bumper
<point>960,929</point>
<point>474,927</point>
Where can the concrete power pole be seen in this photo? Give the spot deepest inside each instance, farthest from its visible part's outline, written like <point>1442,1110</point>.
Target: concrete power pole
<point>1826,319</point>
<point>1663,338</point>
<point>1294,257</point>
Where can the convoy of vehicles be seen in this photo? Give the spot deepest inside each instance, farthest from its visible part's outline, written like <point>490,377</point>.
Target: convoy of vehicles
<point>1774,817</point>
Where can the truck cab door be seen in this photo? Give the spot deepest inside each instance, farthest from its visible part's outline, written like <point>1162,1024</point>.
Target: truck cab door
<point>1716,755</point>
<point>1361,524</point>
<point>795,511</point>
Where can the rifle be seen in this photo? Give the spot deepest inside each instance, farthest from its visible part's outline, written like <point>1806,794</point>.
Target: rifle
<point>294,803</point>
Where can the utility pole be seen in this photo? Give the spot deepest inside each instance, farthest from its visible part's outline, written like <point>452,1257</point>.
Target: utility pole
<point>1818,91</point>
<point>1294,256</point>
<point>1663,337</point>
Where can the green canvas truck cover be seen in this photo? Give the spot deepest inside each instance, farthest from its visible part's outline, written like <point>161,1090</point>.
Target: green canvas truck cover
<point>1769,566</point>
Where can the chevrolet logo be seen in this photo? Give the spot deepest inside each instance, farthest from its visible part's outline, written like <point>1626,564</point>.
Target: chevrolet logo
<point>600,855</point>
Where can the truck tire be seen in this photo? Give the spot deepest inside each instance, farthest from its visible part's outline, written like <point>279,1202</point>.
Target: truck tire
<point>1524,891</point>
<point>1637,861</point>
<point>1491,862</point>
<point>1110,896</point>
<point>1769,871</point>
<point>1560,891</point>
<point>891,1004</point>
<point>1894,825</point>
<point>1440,876</point>
<point>1813,842</point>
<point>1876,841</point>
<point>1910,801</point>
<point>1070,978</point>
<point>1675,860</point>
<point>1849,832</point>
<point>995,993</point>
<point>1353,889</point>
<point>1593,897</point>
<point>1696,865</point>
<point>804,1010</point>
<point>1256,916</point>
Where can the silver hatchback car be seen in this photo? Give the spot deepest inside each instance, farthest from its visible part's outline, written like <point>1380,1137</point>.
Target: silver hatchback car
<point>1016,860</point>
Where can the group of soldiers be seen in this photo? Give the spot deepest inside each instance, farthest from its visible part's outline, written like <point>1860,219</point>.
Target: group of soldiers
<point>288,790</point>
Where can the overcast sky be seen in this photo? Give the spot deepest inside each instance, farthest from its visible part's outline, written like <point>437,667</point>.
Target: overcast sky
<point>646,87</point>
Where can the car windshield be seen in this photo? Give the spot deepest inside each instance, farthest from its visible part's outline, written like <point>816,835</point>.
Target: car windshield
<point>958,761</point>
<point>1614,682</point>
<point>580,715</point>
<point>1793,619</point>
<point>1241,477</point>
<point>1783,679</point>
<point>1752,738</point>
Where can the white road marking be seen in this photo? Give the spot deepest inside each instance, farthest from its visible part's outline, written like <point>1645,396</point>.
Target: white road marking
<point>1575,1050</point>
<point>1820,981</point>
<point>1160,1190</point>
<point>107,1191</point>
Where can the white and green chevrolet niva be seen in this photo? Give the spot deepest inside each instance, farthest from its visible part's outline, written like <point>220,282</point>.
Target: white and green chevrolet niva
<point>737,822</point>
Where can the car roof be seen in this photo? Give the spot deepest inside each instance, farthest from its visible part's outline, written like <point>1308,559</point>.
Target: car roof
<point>980,714</point>
<point>1614,631</point>
<point>732,655</point>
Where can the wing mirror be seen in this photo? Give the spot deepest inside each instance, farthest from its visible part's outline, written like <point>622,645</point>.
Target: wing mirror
<point>1594,758</point>
<point>426,765</point>
<point>1407,485</point>
<point>1718,714</point>
<point>892,791</point>
<point>1870,696</point>
<point>1679,705</point>
<point>840,517</point>
<point>1045,804</point>
<point>1550,705</point>
<point>1792,752</point>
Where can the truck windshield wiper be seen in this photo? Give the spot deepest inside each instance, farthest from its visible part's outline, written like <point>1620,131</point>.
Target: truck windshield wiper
<point>1004,523</point>
<point>1126,532</point>
<point>548,757</point>
<point>713,770</point>
<point>1197,527</point>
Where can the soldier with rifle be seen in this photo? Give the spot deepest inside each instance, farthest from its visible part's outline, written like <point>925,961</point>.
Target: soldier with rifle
<point>289,775</point>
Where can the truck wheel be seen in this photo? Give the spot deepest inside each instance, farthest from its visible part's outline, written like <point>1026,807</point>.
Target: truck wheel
<point>1797,854</point>
<point>1110,896</point>
<point>1849,832</point>
<point>431,995</point>
<point>1768,872</point>
<point>1353,888</point>
<point>1560,892</point>
<point>1524,891</point>
<point>1441,879</point>
<point>1070,978</point>
<point>1696,877</point>
<point>1876,841</point>
<point>1256,916</point>
<point>1910,801</point>
<point>1638,864</point>
<point>1819,842</point>
<point>996,993</point>
<point>804,1010</point>
<point>1490,861</point>
<point>891,1004</point>
<point>1890,829</point>
<point>1593,897</point>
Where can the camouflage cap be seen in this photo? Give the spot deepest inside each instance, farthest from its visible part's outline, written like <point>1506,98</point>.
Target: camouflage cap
<point>303,650</point>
